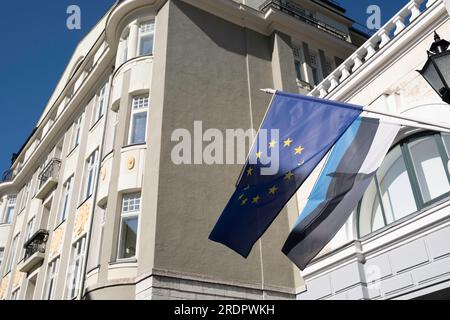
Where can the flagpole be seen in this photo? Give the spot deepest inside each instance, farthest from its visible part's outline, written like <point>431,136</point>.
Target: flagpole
<point>411,121</point>
<point>254,137</point>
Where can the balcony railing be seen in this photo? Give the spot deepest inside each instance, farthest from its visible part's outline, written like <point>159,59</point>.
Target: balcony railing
<point>50,171</point>
<point>383,37</point>
<point>34,251</point>
<point>48,179</point>
<point>37,243</point>
<point>301,14</point>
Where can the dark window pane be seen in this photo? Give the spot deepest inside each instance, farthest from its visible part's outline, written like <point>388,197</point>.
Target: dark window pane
<point>129,237</point>
<point>139,128</point>
<point>146,45</point>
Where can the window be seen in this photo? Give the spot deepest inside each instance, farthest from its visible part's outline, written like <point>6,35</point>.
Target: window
<point>90,175</point>
<point>125,49</point>
<point>298,64</point>
<point>52,273</point>
<point>76,133</point>
<point>30,228</point>
<point>314,68</point>
<point>9,211</point>
<point>75,269</point>
<point>12,252</point>
<point>146,35</point>
<point>100,104</point>
<point>15,294</point>
<point>413,176</point>
<point>138,126</point>
<point>101,234</point>
<point>429,168</point>
<point>329,67</point>
<point>131,207</point>
<point>35,185</point>
<point>65,201</point>
<point>25,194</point>
<point>2,252</point>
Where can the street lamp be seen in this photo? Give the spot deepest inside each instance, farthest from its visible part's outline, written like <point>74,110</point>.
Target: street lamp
<point>437,68</point>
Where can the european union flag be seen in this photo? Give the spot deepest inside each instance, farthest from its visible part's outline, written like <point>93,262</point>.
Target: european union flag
<point>296,134</point>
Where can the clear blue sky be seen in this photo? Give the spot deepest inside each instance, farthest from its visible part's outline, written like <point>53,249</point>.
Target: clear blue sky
<point>36,46</point>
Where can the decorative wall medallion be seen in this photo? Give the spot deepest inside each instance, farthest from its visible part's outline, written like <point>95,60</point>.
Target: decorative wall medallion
<point>131,162</point>
<point>56,240</point>
<point>81,220</point>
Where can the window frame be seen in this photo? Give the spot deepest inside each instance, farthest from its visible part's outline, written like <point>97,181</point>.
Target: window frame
<point>15,294</point>
<point>24,196</point>
<point>125,44</point>
<point>30,228</point>
<point>9,215</point>
<point>2,255</point>
<point>64,204</point>
<point>74,278</point>
<point>126,216</point>
<point>99,109</point>
<point>51,276</point>
<point>143,34</point>
<point>75,137</point>
<point>412,175</point>
<point>316,68</point>
<point>137,111</point>
<point>90,165</point>
<point>12,253</point>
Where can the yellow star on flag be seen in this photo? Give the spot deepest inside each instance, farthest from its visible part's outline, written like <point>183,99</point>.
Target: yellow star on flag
<point>256,199</point>
<point>272,144</point>
<point>288,142</point>
<point>244,202</point>
<point>299,150</point>
<point>273,190</point>
<point>288,175</point>
<point>258,155</point>
<point>250,171</point>
<point>242,196</point>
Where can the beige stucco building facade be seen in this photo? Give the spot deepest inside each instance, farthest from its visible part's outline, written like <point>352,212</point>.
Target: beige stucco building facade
<point>93,207</point>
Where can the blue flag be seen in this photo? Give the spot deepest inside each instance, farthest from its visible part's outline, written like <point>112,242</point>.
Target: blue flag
<point>296,134</point>
<point>347,174</point>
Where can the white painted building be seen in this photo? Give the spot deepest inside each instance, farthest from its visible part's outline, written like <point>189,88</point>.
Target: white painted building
<point>395,245</point>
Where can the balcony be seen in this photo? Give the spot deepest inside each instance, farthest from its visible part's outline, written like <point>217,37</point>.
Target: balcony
<point>34,251</point>
<point>48,179</point>
<point>7,176</point>
<point>301,14</point>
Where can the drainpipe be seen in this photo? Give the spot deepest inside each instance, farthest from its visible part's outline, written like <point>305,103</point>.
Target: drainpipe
<point>91,220</point>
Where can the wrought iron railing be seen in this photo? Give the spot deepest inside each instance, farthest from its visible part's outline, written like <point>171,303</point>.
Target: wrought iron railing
<point>299,13</point>
<point>7,176</point>
<point>50,171</point>
<point>37,243</point>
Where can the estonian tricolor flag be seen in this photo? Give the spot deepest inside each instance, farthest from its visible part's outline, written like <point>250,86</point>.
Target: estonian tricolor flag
<point>347,174</point>
<point>307,129</point>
